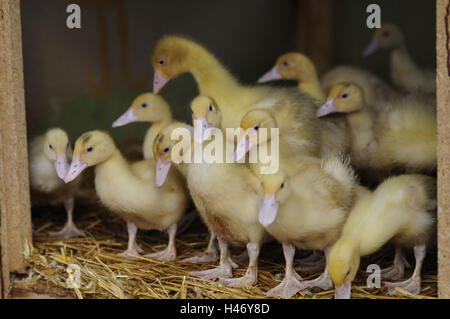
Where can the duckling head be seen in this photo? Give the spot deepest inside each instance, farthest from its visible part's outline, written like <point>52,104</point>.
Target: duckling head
<point>171,57</point>
<point>56,148</point>
<point>343,263</point>
<point>169,147</point>
<point>257,125</point>
<point>386,37</point>
<point>206,115</point>
<point>343,98</point>
<point>291,66</point>
<point>146,107</point>
<point>276,191</point>
<point>91,148</point>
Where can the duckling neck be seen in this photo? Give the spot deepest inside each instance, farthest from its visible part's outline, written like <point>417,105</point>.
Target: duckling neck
<point>109,168</point>
<point>313,88</point>
<point>361,124</point>
<point>212,78</point>
<point>401,62</point>
<point>151,134</point>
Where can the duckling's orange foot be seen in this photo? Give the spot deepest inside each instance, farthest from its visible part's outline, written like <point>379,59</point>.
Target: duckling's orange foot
<point>248,280</point>
<point>223,271</point>
<point>69,231</point>
<point>288,287</point>
<point>163,255</point>
<point>411,285</point>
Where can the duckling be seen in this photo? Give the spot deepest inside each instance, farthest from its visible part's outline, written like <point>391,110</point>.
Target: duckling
<point>296,66</point>
<point>404,71</point>
<point>306,211</point>
<point>147,107</point>
<point>404,136</point>
<point>129,194</point>
<point>174,55</point>
<point>227,196</point>
<point>49,156</point>
<point>399,210</point>
<point>376,92</point>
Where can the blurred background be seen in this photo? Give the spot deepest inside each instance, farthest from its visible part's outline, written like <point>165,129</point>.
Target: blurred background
<point>83,79</point>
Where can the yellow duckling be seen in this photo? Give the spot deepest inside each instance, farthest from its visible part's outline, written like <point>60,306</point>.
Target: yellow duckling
<point>147,107</point>
<point>296,66</point>
<point>306,211</point>
<point>404,136</point>
<point>174,55</point>
<point>226,195</point>
<point>399,210</point>
<point>49,156</point>
<point>404,71</point>
<point>129,194</point>
<point>376,91</point>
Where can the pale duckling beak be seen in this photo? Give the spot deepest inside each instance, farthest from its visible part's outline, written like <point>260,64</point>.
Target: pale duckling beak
<point>327,108</point>
<point>75,169</point>
<point>158,82</point>
<point>372,47</point>
<point>243,146</point>
<point>343,292</point>
<point>202,130</point>
<point>61,166</point>
<point>268,210</point>
<point>162,169</point>
<point>270,76</point>
<point>125,118</point>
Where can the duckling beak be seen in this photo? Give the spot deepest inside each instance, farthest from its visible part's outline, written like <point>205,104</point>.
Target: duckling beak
<point>372,47</point>
<point>243,146</point>
<point>162,169</point>
<point>270,76</point>
<point>125,118</point>
<point>343,292</point>
<point>202,130</point>
<point>61,166</point>
<point>328,108</point>
<point>75,169</point>
<point>158,82</point>
<point>268,210</point>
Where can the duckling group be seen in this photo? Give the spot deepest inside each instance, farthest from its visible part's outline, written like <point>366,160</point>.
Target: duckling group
<point>357,165</point>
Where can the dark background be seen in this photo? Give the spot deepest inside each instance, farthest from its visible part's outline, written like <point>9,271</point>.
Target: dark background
<point>83,79</point>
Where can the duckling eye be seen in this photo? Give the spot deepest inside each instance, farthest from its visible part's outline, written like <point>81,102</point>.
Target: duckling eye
<point>256,127</point>
<point>344,96</point>
<point>89,149</point>
<point>51,147</point>
<point>144,105</point>
<point>282,186</point>
<point>165,150</point>
<point>210,108</point>
<point>161,62</point>
<point>286,63</point>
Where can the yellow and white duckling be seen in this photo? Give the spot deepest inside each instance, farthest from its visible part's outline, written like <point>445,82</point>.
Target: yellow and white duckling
<point>306,211</point>
<point>130,191</point>
<point>376,91</point>
<point>147,107</point>
<point>401,210</point>
<point>49,156</point>
<point>226,195</point>
<point>296,66</point>
<point>404,71</point>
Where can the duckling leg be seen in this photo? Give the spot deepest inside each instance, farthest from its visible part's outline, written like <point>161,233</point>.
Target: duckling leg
<point>210,254</point>
<point>251,275</point>
<point>323,281</point>
<point>397,270</point>
<point>170,253</point>
<point>225,265</point>
<point>133,248</point>
<point>69,230</point>
<point>291,281</point>
<point>413,284</point>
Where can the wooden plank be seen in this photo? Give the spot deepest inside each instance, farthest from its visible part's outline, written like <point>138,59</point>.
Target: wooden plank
<point>443,116</point>
<point>315,30</point>
<point>15,227</point>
